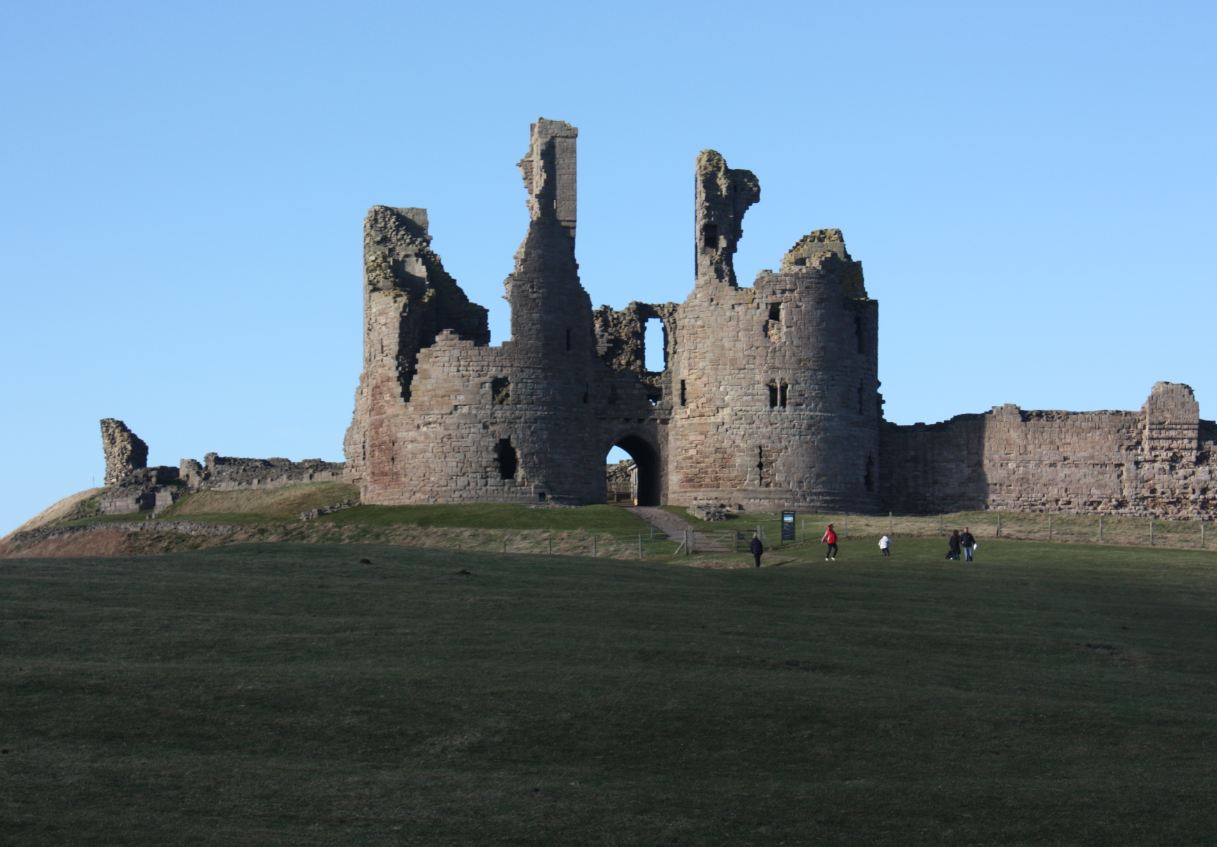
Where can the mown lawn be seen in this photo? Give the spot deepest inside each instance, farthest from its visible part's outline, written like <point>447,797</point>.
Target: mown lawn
<point>293,695</point>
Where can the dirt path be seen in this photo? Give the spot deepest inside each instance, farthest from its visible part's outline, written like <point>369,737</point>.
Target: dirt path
<point>675,528</point>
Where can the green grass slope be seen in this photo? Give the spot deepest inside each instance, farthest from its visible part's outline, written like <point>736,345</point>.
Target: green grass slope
<point>290,694</point>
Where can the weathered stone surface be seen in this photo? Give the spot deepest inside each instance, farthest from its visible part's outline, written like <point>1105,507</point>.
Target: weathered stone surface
<point>1152,462</point>
<point>125,451</point>
<point>226,473</point>
<point>723,195</point>
<point>143,490</point>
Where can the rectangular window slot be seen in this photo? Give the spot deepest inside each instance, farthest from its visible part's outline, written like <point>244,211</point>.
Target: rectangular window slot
<point>683,395</point>
<point>500,389</point>
<point>709,236</point>
<point>506,458</point>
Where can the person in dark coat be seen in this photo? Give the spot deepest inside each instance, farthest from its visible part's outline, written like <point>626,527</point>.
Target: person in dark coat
<point>968,540</point>
<point>757,549</point>
<point>953,545</point>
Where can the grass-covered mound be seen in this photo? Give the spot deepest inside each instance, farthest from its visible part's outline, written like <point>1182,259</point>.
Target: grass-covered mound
<point>285,694</point>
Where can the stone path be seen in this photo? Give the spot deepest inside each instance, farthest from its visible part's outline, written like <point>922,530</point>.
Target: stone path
<point>674,528</point>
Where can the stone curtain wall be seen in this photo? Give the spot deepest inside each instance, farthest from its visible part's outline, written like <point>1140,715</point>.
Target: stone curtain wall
<point>1147,463</point>
<point>226,473</point>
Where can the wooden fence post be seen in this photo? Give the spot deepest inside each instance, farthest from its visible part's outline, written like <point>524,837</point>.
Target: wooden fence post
<point>1202,535</point>
<point>1049,528</point>
<point>1100,529</point>
<point>640,546</point>
<point>1151,532</point>
<point>999,526</point>
<point>593,546</point>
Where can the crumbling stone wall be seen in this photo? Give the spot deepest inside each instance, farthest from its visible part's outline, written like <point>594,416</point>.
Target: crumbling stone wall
<point>226,473</point>
<point>529,421</point>
<point>1150,462</point>
<point>124,450</point>
<point>133,487</point>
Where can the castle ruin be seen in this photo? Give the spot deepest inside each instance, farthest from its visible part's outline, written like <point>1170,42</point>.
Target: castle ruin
<point>768,399</point>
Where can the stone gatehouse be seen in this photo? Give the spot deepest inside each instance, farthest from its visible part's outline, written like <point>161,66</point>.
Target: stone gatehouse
<point>769,397</point>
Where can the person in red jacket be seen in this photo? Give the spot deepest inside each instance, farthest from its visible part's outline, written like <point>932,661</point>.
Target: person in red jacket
<point>830,538</point>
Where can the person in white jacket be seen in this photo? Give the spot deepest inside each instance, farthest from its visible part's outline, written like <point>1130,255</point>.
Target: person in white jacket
<point>885,544</point>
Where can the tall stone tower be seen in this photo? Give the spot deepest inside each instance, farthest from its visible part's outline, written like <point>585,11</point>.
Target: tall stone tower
<point>440,416</point>
<point>775,387</point>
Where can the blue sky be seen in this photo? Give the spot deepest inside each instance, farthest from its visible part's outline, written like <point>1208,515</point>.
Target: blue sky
<point>1032,190</point>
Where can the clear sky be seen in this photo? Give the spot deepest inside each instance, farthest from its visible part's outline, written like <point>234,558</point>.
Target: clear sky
<point>1031,187</point>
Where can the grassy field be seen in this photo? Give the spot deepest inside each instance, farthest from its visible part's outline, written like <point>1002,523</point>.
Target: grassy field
<point>294,694</point>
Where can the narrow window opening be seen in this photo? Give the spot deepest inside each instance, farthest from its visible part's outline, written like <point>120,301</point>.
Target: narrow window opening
<point>654,346</point>
<point>653,397</point>
<point>782,394</point>
<point>773,324</point>
<point>869,479</point>
<point>500,389</point>
<point>506,458</point>
<point>760,466</point>
<point>709,236</point>
<point>683,394</point>
<point>858,332</point>
<point>773,395</point>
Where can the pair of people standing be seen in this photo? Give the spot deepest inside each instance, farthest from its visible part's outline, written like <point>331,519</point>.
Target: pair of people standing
<point>958,541</point>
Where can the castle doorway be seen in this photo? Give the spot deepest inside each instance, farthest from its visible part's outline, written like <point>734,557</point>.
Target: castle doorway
<point>634,479</point>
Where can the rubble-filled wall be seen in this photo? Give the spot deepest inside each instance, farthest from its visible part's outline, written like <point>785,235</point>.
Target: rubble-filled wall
<point>1152,462</point>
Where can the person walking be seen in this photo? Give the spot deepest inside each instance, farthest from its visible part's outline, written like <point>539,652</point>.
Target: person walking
<point>953,546</point>
<point>830,538</point>
<point>885,545</point>
<point>968,541</point>
<point>757,548</point>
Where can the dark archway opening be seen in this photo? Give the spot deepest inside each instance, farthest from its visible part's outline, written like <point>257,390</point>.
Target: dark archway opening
<point>643,484</point>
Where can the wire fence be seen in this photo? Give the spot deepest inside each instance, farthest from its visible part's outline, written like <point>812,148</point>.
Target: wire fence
<point>1026,526</point>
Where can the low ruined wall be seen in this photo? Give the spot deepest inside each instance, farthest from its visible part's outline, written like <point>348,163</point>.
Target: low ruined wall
<point>225,473</point>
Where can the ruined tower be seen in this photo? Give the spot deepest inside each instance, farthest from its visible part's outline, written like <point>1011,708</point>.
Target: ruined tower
<point>777,391</point>
<point>441,416</point>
